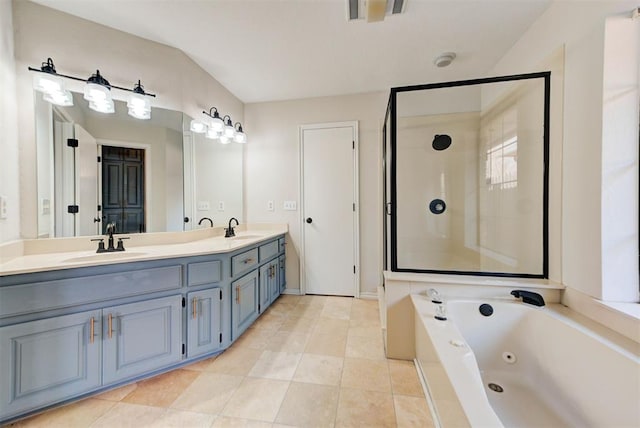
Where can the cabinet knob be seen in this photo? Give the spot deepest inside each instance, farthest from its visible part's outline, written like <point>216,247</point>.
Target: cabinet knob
<point>309,220</point>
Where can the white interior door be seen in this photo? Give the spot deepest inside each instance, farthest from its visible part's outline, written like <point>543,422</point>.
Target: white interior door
<point>329,209</point>
<point>87,174</point>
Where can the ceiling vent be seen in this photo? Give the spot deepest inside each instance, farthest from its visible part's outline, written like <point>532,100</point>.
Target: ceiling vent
<point>374,10</point>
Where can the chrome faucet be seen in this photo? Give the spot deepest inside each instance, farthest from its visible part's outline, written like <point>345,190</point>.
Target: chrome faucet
<point>205,218</point>
<point>229,232</point>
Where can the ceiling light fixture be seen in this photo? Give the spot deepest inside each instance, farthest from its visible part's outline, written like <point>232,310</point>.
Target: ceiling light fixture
<point>444,60</point>
<point>97,91</point>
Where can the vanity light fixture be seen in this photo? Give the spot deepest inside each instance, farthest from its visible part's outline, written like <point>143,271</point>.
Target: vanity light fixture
<point>97,91</point>
<point>216,121</point>
<point>197,126</point>
<point>138,104</point>
<point>240,136</point>
<point>51,85</point>
<point>223,139</point>
<point>229,129</point>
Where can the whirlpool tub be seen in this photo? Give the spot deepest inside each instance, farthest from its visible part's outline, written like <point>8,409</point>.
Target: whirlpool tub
<point>524,366</point>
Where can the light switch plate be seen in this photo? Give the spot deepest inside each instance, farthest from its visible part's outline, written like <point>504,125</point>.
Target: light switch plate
<point>270,206</point>
<point>220,206</point>
<point>289,206</point>
<point>203,205</point>
<point>3,207</point>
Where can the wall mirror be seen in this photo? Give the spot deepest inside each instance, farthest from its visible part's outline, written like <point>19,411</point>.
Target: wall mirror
<point>467,177</point>
<point>144,175</point>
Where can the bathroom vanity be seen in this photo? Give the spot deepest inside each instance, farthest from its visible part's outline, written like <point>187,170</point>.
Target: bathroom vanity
<point>75,323</point>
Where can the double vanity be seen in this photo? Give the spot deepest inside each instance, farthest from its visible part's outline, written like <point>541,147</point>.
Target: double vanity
<point>75,322</point>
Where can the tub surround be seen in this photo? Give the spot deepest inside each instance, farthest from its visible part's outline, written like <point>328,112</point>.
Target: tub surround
<point>398,322</point>
<point>39,255</point>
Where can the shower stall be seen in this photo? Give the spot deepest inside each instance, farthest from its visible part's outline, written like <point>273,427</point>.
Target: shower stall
<point>466,177</point>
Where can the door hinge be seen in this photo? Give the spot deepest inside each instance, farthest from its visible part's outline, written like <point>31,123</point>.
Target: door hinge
<point>354,207</point>
<point>184,349</point>
<point>221,294</point>
<point>73,209</point>
<point>220,337</point>
<point>353,145</point>
<point>72,142</point>
<point>184,302</point>
<point>99,159</point>
<point>99,207</point>
<point>354,268</point>
<point>258,308</point>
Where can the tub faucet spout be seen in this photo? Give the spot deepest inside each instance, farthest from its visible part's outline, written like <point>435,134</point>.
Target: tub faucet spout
<point>528,297</point>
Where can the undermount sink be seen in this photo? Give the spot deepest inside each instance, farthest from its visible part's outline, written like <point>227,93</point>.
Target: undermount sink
<point>242,237</point>
<point>103,257</point>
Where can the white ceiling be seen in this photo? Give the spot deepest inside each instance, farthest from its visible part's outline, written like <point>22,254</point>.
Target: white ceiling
<point>264,50</point>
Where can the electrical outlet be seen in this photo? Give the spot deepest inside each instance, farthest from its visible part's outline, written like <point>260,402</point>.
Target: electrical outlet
<point>203,205</point>
<point>289,205</point>
<point>270,206</point>
<point>220,206</point>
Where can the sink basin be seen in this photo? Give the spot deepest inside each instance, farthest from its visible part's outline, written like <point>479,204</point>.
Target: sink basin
<point>103,257</point>
<point>242,237</point>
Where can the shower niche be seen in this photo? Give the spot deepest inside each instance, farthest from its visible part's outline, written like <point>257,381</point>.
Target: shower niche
<point>466,170</point>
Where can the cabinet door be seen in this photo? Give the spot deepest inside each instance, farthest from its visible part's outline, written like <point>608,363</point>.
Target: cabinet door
<point>274,280</point>
<point>245,302</point>
<point>282,279</point>
<point>141,337</point>
<point>265,287</point>
<point>204,326</point>
<point>45,361</point>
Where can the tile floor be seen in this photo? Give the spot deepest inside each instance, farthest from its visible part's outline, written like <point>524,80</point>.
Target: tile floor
<point>309,361</point>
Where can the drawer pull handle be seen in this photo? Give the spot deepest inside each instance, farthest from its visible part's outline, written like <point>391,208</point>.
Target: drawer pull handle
<point>194,310</point>
<point>92,329</point>
<point>238,294</point>
<point>247,261</point>
<point>110,322</point>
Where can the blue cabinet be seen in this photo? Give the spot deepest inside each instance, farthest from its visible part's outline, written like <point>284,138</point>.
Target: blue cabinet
<point>49,360</point>
<point>204,321</point>
<point>245,303</point>
<point>141,337</point>
<point>282,279</point>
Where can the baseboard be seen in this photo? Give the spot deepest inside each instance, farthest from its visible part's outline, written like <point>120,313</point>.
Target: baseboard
<point>368,295</point>
<point>293,291</point>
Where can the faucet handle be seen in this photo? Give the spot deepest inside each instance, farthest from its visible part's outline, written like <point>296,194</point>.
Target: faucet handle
<point>100,245</point>
<point>121,244</point>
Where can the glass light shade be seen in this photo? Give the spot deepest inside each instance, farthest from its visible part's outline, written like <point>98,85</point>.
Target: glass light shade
<point>224,139</point>
<point>140,113</point>
<point>212,133</point>
<point>229,131</point>
<point>139,106</point>
<point>102,106</point>
<point>64,99</point>
<point>240,137</point>
<point>97,93</point>
<point>198,127</point>
<point>217,124</point>
<point>48,83</point>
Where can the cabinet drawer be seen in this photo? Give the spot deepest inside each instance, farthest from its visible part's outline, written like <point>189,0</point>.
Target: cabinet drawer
<point>244,261</point>
<point>281,245</point>
<point>62,293</point>
<point>268,250</point>
<point>204,272</point>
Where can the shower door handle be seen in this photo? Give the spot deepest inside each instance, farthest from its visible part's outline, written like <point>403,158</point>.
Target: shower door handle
<point>388,208</point>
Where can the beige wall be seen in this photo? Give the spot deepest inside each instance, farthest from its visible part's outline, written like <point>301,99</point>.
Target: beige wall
<point>586,210</point>
<point>272,170</point>
<point>79,47</point>
<point>9,173</point>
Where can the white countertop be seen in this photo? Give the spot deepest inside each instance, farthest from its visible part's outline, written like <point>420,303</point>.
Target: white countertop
<point>39,255</point>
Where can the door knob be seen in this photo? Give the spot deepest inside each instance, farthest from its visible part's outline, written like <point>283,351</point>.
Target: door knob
<point>309,220</point>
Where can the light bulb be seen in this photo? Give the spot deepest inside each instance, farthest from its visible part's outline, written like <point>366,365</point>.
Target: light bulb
<point>64,99</point>
<point>224,139</point>
<point>217,124</point>
<point>96,93</point>
<point>198,127</point>
<point>102,106</point>
<point>212,133</point>
<point>47,83</point>
<point>229,131</point>
<point>240,137</point>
